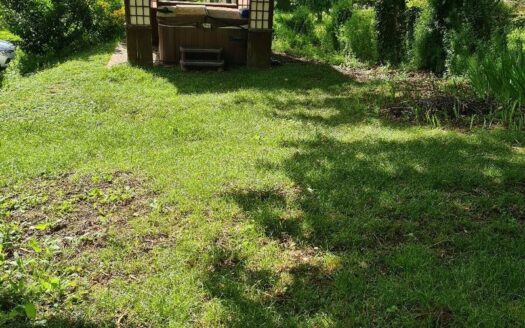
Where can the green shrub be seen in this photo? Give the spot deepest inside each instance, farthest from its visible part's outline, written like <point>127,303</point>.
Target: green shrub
<point>297,29</point>
<point>283,5</point>
<point>51,25</point>
<point>391,26</point>
<point>460,46</point>
<point>317,7</point>
<point>516,38</point>
<point>429,50</point>
<point>449,32</point>
<point>482,23</point>
<point>413,14</point>
<point>108,19</point>
<point>300,21</point>
<point>360,35</point>
<point>340,13</point>
<point>501,75</point>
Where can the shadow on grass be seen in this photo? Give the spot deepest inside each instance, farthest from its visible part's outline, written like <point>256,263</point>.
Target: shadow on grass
<point>427,216</point>
<point>295,77</point>
<point>334,110</point>
<point>315,94</point>
<point>407,180</point>
<point>251,295</point>
<point>31,63</point>
<point>63,322</point>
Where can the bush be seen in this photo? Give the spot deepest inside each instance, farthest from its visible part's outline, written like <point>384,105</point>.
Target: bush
<point>296,31</point>
<point>51,25</point>
<point>481,23</point>
<point>429,50</point>
<point>341,12</point>
<point>283,5</point>
<point>108,19</point>
<point>501,75</point>
<point>413,14</point>
<point>449,32</point>
<point>516,38</point>
<point>339,15</point>
<point>318,7</point>
<point>360,35</point>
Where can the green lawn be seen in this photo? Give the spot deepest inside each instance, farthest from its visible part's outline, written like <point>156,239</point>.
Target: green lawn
<point>251,198</point>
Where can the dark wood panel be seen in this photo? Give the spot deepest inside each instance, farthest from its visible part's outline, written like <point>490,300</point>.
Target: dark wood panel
<point>259,49</point>
<point>233,42</point>
<point>154,27</point>
<point>139,44</point>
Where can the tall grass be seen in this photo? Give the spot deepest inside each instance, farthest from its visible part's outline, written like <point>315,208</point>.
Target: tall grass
<point>501,76</point>
<point>345,35</point>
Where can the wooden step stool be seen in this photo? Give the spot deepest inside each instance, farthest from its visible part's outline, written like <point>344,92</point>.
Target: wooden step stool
<point>215,60</point>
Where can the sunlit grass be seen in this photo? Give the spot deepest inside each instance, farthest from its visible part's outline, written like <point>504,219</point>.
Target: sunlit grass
<point>281,199</point>
<point>8,36</point>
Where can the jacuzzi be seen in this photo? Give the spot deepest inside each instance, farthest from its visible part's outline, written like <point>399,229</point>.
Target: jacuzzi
<point>203,26</point>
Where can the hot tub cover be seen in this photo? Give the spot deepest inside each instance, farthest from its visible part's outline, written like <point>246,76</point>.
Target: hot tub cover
<point>195,15</point>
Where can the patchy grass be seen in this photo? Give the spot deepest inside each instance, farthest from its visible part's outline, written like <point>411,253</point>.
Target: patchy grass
<point>268,198</point>
<point>51,229</point>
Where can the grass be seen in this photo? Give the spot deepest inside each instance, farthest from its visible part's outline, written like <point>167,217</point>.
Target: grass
<point>8,36</point>
<point>274,198</point>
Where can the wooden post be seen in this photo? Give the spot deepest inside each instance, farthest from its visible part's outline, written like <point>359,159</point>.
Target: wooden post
<point>139,43</point>
<point>259,49</point>
<point>139,32</point>
<point>260,33</point>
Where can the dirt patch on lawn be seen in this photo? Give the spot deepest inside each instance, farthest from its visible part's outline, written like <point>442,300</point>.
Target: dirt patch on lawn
<point>427,99</point>
<point>55,230</point>
<point>77,212</point>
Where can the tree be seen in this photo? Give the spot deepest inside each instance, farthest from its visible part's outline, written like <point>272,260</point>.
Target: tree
<point>391,29</point>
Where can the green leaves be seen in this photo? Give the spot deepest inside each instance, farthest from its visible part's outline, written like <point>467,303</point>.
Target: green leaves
<point>30,310</point>
<point>48,26</point>
<point>42,226</point>
<point>35,245</point>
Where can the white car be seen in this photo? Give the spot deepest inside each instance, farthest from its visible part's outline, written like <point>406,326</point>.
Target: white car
<point>7,53</point>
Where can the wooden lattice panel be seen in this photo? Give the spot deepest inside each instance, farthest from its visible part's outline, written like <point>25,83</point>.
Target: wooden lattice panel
<point>139,12</point>
<point>243,3</point>
<point>261,14</point>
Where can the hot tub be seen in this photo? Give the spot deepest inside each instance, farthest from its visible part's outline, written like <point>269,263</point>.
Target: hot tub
<point>209,26</point>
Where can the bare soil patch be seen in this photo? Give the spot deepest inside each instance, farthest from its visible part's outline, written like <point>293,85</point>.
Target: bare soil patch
<point>73,211</point>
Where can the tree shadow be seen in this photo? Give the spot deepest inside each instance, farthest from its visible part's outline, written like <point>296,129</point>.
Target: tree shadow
<point>378,199</point>
<point>229,280</point>
<point>288,77</point>
<point>27,63</point>
<point>360,102</point>
<point>312,93</point>
<point>258,298</point>
<point>62,322</point>
<point>340,184</point>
